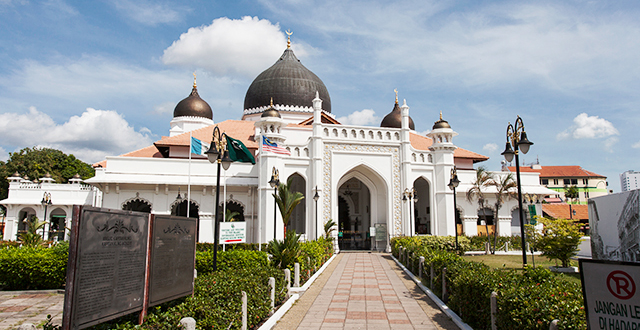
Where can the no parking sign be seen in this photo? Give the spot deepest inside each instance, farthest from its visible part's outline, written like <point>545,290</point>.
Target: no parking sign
<point>611,294</point>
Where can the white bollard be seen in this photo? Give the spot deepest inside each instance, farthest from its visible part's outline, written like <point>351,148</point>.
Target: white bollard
<point>296,275</point>
<point>431,278</point>
<point>506,246</point>
<point>487,248</point>
<point>272,284</point>
<point>188,323</point>
<point>494,310</point>
<point>444,285</point>
<point>420,266</point>
<point>554,325</point>
<point>287,280</point>
<point>244,310</point>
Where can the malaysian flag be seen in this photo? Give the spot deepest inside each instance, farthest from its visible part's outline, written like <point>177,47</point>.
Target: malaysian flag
<point>273,147</point>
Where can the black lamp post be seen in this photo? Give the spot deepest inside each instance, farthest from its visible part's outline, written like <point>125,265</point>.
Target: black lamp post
<point>410,195</point>
<point>46,201</point>
<point>453,184</point>
<point>275,182</point>
<point>218,153</point>
<point>316,196</point>
<point>517,137</point>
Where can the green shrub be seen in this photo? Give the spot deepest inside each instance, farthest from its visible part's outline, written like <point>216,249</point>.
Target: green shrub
<point>31,268</point>
<point>216,302</point>
<point>313,255</point>
<point>233,259</point>
<point>229,247</point>
<point>530,299</point>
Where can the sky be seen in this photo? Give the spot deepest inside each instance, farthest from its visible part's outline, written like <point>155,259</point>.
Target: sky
<point>100,78</point>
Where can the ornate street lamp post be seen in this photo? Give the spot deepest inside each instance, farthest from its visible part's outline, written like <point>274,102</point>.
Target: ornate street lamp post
<point>316,196</point>
<point>275,182</point>
<point>219,154</point>
<point>453,184</point>
<point>517,137</point>
<point>410,195</point>
<point>46,201</point>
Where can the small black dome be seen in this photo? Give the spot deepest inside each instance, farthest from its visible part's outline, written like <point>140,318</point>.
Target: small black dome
<point>441,123</point>
<point>394,119</point>
<point>289,83</point>
<point>193,106</point>
<point>271,112</point>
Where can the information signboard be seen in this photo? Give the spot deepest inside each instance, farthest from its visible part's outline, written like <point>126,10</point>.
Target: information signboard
<point>381,231</point>
<point>611,294</point>
<point>233,232</point>
<point>172,258</point>
<point>107,264</point>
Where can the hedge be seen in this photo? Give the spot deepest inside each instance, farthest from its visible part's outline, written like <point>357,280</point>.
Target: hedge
<point>529,299</point>
<point>25,268</point>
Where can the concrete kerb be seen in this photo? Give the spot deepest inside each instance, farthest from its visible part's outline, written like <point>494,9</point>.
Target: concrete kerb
<point>296,293</point>
<point>443,307</point>
<point>60,291</point>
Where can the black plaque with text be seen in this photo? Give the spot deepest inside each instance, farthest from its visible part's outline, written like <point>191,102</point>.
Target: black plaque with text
<point>172,258</point>
<point>109,279</point>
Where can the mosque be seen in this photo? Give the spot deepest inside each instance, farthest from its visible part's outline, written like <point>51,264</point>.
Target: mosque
<point>390,178</point>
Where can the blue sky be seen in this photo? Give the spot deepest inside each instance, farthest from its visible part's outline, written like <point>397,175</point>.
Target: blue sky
<point>97,78</point>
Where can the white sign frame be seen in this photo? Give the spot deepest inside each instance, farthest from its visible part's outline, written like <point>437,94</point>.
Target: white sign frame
<point>611,292</point>
<point>233,232</point>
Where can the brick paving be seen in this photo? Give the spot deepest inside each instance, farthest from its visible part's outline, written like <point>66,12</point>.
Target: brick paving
<point>20,307</point>
<point>365,291</point>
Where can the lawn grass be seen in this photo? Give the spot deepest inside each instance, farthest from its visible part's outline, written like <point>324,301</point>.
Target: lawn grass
<point>515,262</point>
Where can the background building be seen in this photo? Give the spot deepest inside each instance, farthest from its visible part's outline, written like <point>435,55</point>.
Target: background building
<point>629,180</point>
<point>558,178</point>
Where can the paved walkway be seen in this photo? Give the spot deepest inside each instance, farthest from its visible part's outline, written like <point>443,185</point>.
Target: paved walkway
<point>364,291</point>
<point>29,307</point>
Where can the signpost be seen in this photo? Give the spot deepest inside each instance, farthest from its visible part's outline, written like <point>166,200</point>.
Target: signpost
<point>233,232</point>
<point>611,294</point>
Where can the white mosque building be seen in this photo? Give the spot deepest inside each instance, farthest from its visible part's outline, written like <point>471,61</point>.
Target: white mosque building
<point>360,174</point>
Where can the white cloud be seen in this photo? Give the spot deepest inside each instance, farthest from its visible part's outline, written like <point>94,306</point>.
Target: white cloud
<point>149,13</point>
<point>490,147</point>
<point>4,155</point>
<point>230,46</point>
<point>90,137</point>
<point>361,118</point>
<point>636,145</point>
<point>589,127</point>
<point>164,108</point>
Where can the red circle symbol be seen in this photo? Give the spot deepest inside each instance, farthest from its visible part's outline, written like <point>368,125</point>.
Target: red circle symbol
<point>621,285</point>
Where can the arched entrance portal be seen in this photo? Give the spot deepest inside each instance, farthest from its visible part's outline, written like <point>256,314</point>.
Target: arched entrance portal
<point>354,216</point>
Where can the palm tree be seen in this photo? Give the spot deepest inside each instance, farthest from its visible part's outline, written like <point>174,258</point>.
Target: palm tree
<point>287,201</point>
<point>503,186</point>
<point>482,181</point>
<point>231,215</point>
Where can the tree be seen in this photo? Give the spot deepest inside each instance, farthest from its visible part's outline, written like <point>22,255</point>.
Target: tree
<point>329,227</point>
<point>559,239</point>
<point>36,162</point>
<point>571,192</point>
<point>287,201</point>
<point>231,215</point>
<point>503,186</point>
<point>482,181</point>
<point>31,238</point>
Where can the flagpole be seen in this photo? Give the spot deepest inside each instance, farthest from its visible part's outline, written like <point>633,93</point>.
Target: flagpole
<point>189,177</point>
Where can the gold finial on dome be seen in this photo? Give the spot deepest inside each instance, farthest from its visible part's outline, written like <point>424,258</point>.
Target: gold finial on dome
<point>440,114</point>
<point>289,33</point>
<point>271,102</point>
<point>396,90</point>
<point>194,79</point>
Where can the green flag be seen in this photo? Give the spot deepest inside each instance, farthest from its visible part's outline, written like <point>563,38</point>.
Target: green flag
<point>238,152</point>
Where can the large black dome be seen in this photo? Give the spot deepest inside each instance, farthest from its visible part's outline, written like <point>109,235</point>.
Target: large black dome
<point>193,106</point>
<point>289,83</point>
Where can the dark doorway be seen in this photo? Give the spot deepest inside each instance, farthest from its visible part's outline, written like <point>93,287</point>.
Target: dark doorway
<point>180,209</point>
<point>137,205</point>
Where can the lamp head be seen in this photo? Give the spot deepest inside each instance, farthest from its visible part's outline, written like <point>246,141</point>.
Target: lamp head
<point>226,160</point>
<point>508,153</point>
<point>524,143</point>
<point>212,153</point>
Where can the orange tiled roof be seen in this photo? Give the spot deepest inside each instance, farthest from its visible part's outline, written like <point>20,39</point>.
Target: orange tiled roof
<point>150,151</point>
<point>242,130</point>
<point>561,211</point>
<point>560,171</point>
<point>420,142</point>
